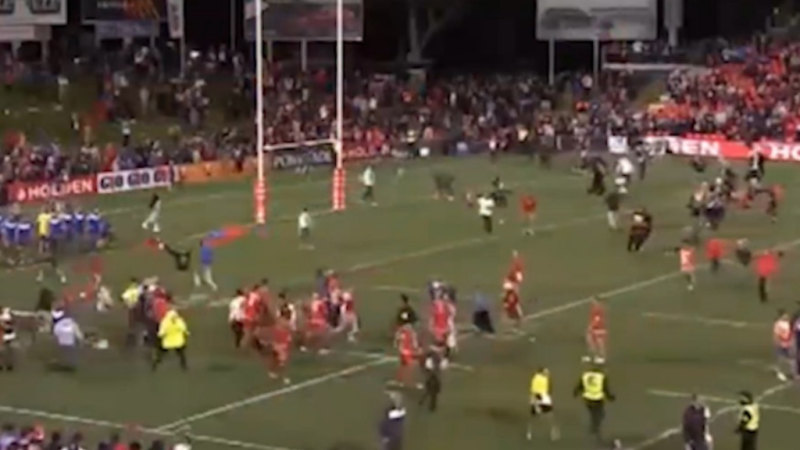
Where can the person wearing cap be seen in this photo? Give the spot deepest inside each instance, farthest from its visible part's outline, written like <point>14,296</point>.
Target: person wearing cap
<point>8,340</point>
<point>68,336</point>
<point>748,421</point>
<point>593,388</point>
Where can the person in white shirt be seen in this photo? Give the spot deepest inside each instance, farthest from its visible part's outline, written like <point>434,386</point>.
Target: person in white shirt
<point>304,224</point>
<point>68,337</point>
<point>486,211</point>
<point>236,317</point>
<point>368,180</point>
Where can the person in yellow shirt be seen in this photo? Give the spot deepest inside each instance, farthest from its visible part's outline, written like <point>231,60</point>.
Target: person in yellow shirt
<point>173,333</point>
<point>130,298</point>
<point>43,229</point>
<point>542,402</point>
<point>749,421</point>
<point>593,388</point>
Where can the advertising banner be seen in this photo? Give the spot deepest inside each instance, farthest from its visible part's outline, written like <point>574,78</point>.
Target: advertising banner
<point>30,192</point>
<point>121,10</point>
<point>134,180</point>
<point>216,171</point>
<point>587,20</point>
<point>712,147</point>
<point>12,33</point>
<point>311,20</point>
<point>33,12</point>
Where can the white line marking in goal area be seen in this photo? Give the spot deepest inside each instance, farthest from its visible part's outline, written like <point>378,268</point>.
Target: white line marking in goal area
<point>722,400</point>
<point>709,321</point>
<point>66,418</point>
<point>276,393</point>
<point>670,432</point>
<point>373,355</point>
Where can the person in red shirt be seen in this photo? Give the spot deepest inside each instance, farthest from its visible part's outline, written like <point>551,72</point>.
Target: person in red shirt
<point>281,340</point>
<point>349,316</point>
<point>439,324</point>
<point>317,325</point>
<point>517,268</point>
<point>512,305</point>
<point>596,332</point>
<point>715,249</point>
<point>252,317</point>
<point>407,345</point>
<point>528,204</point>
<point>766,267</point>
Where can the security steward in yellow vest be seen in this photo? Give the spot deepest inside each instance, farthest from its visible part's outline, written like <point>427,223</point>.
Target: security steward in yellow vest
<point>593,388</point>
<point>173,334</point>
<point>748,421</point>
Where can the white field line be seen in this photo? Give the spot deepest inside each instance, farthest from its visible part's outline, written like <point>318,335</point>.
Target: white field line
<point>275,393</point>
<point>707,321</point>
<point>670,432</point>
<point>722,400</point>
<point>120,426</point>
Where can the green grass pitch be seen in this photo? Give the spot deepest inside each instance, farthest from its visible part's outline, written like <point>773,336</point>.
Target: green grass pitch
<point>664,341</point>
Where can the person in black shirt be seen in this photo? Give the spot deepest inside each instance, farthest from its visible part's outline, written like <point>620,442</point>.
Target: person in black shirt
<point>406,315</point>
<point>183,259</point>
<point>613,200</point>
<point>432,365</point>
<point>597,166</point>
<point>640,230</point>
<point>743,253</point>
<point>695,425</point>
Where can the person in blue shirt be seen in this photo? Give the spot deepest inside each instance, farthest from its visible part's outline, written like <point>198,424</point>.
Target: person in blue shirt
<point>93,227</point>
<point>66,224</point>
<point>24,233</point>
<point>9,232</point>
<point>105,232</point>
<point>206,261</point>
<point>78,223</point>
<point>56,229</point>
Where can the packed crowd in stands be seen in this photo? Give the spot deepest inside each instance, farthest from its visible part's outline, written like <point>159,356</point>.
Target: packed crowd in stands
<point>747,92</point>
<point>36,438</point>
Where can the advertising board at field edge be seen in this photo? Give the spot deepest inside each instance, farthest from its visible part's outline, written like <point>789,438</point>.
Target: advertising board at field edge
<point>123,10</point>
<point>42,191</point>
<point>587,20</point>
<point>710,147</point>
<point>134,180</point>
<point>310,20</point>
<point>33,12</point>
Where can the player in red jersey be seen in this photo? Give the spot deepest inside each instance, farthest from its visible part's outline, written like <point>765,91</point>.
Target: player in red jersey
<point>252,316</point>
<point>512,305</point>
<point>287,312</point>
<point>715,250</point>
<point>317,325</point>
<point>528,204</point>
<point>766,266</point>
<point>440,321</point>
<point>349,316</point>
<point>596,332</point>
<point>407,345</point>
<point>517,269</point>
<point>281,341</point>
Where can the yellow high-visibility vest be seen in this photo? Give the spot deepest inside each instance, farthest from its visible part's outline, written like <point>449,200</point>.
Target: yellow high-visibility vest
<point>753,421</point>
<point>593,386</point>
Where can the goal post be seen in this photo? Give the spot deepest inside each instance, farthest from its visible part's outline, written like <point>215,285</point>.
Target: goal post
<point>267,153</point>
<point>299,157</point>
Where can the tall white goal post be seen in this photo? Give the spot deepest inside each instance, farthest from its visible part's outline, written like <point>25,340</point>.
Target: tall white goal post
<point>339,178</point>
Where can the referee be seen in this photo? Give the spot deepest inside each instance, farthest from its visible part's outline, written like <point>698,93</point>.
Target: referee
<point>486,206</point>
<point>593,388</point>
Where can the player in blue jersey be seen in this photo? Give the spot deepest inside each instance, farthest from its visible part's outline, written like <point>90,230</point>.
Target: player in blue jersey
<point>78,223</point>
<point>56,229</point>
<point>105,232</point>
<point>93,227</point>
<point>66,223</point>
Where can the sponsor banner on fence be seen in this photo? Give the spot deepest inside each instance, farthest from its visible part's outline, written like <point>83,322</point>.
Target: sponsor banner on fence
<point>711,147</point>
<point>29,192</point>
<point>134,180</point>
<point>93,10</point>
<point>216,171</point>
<point>311,20</point>
<point>33,12</point>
